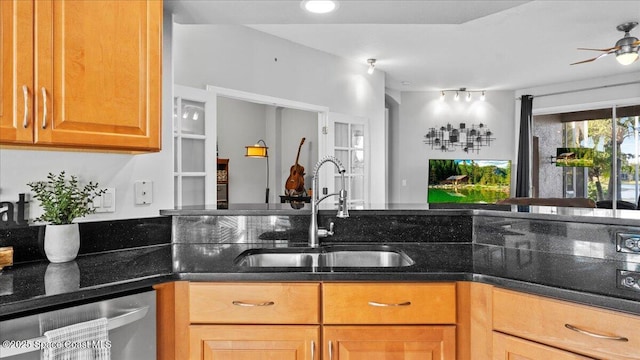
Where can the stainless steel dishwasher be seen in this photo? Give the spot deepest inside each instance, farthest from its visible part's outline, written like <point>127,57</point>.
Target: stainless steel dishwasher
<point>131,323</point>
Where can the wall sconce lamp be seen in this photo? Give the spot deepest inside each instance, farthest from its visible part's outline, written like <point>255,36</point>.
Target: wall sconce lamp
<point>468,96</point>
<point>372,65</point>
<point>260,152</point>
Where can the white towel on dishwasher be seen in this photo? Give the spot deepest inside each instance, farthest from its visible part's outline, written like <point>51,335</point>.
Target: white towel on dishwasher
<point>87,340</point>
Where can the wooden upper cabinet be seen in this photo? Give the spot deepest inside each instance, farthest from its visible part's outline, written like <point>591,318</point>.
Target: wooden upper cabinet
<point>16,72</point>
<point>95,73</point>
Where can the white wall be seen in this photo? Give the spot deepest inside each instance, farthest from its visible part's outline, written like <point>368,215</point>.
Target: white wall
<point>120,171</point>
<point>241,58</point>
<point>242,123</point>
<point>419,111</point>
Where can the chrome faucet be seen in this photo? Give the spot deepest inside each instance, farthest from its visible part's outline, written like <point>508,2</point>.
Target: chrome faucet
<point>343,211</point>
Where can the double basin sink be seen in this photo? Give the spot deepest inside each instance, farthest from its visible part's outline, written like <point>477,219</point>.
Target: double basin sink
<point>364,256</point>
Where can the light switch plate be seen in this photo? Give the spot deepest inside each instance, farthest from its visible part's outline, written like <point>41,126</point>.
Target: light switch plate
<point>106,203</point>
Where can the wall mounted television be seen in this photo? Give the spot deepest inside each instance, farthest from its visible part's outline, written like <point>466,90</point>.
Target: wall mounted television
<point>574,157</point>
<point>468,181</point>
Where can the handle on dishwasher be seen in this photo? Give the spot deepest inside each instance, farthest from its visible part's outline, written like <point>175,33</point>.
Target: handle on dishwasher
<point>30,344</point>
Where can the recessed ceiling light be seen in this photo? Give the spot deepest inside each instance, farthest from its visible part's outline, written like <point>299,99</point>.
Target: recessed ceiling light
<point>319,6</point>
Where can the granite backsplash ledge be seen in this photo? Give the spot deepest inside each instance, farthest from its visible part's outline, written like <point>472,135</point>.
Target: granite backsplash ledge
<point>95,237</point>
<point>358,228</point>
<point>575,238</point>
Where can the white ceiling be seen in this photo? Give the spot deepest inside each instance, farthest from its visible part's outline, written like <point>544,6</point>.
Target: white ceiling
<point>488,45</point>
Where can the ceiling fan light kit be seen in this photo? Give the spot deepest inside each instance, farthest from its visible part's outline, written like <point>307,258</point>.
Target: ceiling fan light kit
<point>626,49</point>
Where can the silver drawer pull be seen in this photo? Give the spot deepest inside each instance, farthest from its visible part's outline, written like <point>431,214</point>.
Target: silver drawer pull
<point>592,334</point>
<point>44,108</point>
<point>248,304</point>
<point>313,350</point>
<point>375,303</point>
<point>330,350</point>
<point>25,91</point>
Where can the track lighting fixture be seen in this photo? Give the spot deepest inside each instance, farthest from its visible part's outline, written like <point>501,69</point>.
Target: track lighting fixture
<point>372,65</point>
<point>461,92</point>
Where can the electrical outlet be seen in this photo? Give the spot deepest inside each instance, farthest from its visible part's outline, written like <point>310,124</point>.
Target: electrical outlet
<point>628,243</point>
<point>629,280</point>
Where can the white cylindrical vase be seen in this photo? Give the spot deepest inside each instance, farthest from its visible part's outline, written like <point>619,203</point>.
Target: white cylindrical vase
<point>61,242</point>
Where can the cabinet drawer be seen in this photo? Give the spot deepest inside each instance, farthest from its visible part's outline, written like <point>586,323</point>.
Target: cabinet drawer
<point>507,347</point>
<point>548,321</point>
<point>248,303</point>
<point>386,303</point>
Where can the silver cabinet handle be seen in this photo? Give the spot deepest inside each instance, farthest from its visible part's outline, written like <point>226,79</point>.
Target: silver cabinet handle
<point>248,304</point>
<point>313,350</point>
<point>330,350</point>
<point>375,303</point>
<point>595,335</point>
<point>44,108</point>
<point>25,92</point>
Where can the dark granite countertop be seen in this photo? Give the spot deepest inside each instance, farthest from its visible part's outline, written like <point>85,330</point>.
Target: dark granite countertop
<point>36,285</point>
<point>551,213</point>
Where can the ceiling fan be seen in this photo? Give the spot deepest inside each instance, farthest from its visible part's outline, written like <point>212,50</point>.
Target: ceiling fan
<point>626,49</point>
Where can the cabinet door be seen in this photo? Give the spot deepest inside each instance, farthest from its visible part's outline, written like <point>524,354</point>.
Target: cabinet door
<point>98,73</point>
<point>512,348</point>
<point>16,71</point>
<point>254,342</point>
<point>389,342</point>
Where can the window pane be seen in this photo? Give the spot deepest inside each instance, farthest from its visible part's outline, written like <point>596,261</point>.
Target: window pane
<point>341,135</point>
<point>343,156</point>
<point>192,117</point>
<point>192,155</point>
<point>175,115</point>
<point>175,154</point>
<point>357,188</point>
<point>357,161</point>
<point>357,136</point>
<point>193,190</point>
<point>175,190</point>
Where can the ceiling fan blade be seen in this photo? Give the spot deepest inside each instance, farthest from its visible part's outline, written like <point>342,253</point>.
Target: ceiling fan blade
<point>603,50</point>
<point>636,43</point>
<point>592,59</point>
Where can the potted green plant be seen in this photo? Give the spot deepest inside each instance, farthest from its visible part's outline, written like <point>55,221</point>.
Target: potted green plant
<point>63,200</point>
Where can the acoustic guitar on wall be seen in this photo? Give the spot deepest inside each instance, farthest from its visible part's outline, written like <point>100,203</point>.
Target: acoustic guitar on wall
<point>295,182</point>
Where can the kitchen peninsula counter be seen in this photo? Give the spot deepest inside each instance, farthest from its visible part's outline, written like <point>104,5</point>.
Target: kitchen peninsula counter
<point>520,252</point>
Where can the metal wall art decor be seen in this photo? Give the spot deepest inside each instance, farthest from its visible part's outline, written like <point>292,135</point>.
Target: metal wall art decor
<point>448,138</point>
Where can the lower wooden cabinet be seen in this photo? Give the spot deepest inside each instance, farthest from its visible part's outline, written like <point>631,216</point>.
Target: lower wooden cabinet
<point>586,330</point>
<point>389,342</point>
<point>507,347</point>
<point>254,342</point>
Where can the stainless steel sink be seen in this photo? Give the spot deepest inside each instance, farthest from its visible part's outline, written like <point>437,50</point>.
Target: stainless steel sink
<point>332,256</point>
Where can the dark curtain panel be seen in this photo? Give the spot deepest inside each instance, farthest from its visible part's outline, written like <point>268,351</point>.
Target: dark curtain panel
<point>524,147</point>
